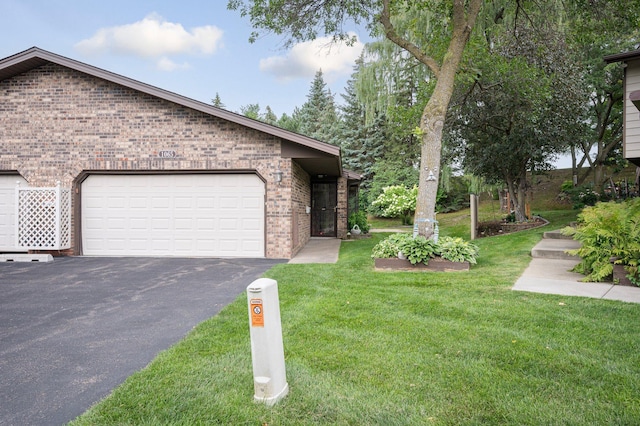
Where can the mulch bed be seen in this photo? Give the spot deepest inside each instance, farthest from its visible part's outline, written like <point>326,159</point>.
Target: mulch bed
<point>489,229</point>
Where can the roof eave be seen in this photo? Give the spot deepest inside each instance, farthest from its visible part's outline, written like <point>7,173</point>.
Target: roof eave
<point>621,57</point>
<point>33,53</point>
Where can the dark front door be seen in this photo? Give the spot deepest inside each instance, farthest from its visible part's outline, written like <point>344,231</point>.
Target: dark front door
<point>324,200</point>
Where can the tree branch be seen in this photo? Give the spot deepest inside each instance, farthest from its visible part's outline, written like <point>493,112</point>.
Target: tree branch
<point>390,32</point>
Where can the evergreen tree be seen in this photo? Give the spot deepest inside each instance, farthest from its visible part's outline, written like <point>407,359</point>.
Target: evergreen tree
<point>251,111</point>
<point>217,102</point>
<point>269,116</point>
<point>318,115</point>
<point>362,140</point>
<point>292,122</point>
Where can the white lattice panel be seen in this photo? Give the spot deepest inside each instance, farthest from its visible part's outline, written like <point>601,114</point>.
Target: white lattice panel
<point>43,218</point>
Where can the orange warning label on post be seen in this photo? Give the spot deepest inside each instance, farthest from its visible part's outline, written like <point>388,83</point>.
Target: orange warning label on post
<point>257,313</point>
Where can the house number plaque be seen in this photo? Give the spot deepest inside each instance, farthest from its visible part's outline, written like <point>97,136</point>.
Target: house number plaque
<point>167,154</point>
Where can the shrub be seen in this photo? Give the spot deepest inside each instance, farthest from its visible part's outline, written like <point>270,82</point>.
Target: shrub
<point>455,197</point>
<point>580,196</point>
<point>457,250</point>
<point>390,246</point>
<point>608,230</point>
<point>421,249</point>
<point>397,201</point>
<point>359,218</point>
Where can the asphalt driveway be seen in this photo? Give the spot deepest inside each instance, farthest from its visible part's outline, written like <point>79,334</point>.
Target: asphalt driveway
<point>73,329</point>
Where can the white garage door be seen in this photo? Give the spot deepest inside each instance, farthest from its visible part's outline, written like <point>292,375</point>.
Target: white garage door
<point>173,215</point>
<point>8,185</point>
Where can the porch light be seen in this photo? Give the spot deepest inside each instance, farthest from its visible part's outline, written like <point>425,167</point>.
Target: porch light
<point>278,176</point>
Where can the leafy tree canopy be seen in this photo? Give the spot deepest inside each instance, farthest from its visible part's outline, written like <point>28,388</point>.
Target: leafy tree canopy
<point>434,32</point>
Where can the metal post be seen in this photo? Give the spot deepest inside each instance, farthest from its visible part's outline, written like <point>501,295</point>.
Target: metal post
<point>474,216</point>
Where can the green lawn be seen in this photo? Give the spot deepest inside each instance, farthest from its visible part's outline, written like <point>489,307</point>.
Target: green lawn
<point>380,348</point>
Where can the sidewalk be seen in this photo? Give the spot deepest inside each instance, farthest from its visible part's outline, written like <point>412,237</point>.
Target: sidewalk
<point>549,272</point>
<point>318,250</point>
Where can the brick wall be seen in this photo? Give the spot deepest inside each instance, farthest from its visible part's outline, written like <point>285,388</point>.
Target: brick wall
<point>300,199</point>
<point>343,208</point>
<point>56,123</point>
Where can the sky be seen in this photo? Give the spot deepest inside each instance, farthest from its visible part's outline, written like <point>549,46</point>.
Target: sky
<point>195,48</point>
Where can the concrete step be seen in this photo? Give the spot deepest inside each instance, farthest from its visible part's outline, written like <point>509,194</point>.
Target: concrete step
<point>550,248</point>
<point>556,235</point>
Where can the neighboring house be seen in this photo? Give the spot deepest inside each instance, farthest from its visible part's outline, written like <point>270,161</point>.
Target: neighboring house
<point>631,117</point>
<point>153,173</point>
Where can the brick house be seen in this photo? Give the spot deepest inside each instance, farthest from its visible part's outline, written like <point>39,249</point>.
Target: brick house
<point>151,173</point>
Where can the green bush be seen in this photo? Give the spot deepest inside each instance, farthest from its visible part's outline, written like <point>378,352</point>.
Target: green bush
<point>390,246</point>
<point>457,250</point>
<point>580,196</point>
<point>421,250</point>
<point>608,230</point>
<point>359,218</point>
<point>397,201</point>
<point>455,197</point>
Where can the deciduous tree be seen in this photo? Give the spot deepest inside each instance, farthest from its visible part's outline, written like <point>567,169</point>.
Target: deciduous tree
<point>523,107</point>
<point>450,26</point>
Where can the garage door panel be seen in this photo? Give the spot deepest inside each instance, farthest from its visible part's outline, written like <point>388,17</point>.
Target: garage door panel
<point>139,244</point>
<point>229,224</point>
<point>183,224</point>
<point>138,223</point>
<point>205,202</point>
<point>251,225</point>
<point>117,223</point>
<point>160,224</point>
<point>250,245</point>
<point>184,203</point>
<point>173,215</point>
<point>204,244</point>
<point>252,203</point>
<point>118,202</point>
<point>138,202</point>
<point>229,203</point>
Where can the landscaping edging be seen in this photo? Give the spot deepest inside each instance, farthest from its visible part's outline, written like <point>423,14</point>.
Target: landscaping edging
<point>436,265</point>
<point>490,229</point>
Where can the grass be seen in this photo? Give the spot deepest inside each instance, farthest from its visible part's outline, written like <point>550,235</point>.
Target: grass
<point>380,348</point>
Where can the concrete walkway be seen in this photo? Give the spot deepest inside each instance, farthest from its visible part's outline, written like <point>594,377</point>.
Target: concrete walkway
<point>549,272</point>
<point>318,250</point>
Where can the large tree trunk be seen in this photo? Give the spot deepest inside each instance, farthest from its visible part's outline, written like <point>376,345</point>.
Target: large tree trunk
<point>431,125</point>
<point>464,14</point>
<point>433,116</point>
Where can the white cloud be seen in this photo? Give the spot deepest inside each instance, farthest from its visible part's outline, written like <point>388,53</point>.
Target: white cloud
<point>166,64</point>
<point>304,59</point>
<point>153,37</point>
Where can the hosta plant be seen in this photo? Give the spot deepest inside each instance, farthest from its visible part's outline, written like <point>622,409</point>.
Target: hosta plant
<point>457,250</point>
<point>421,250</point>
<point>390,246</point>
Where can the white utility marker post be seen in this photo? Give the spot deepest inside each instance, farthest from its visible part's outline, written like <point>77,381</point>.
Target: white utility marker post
<point>267,350</point>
